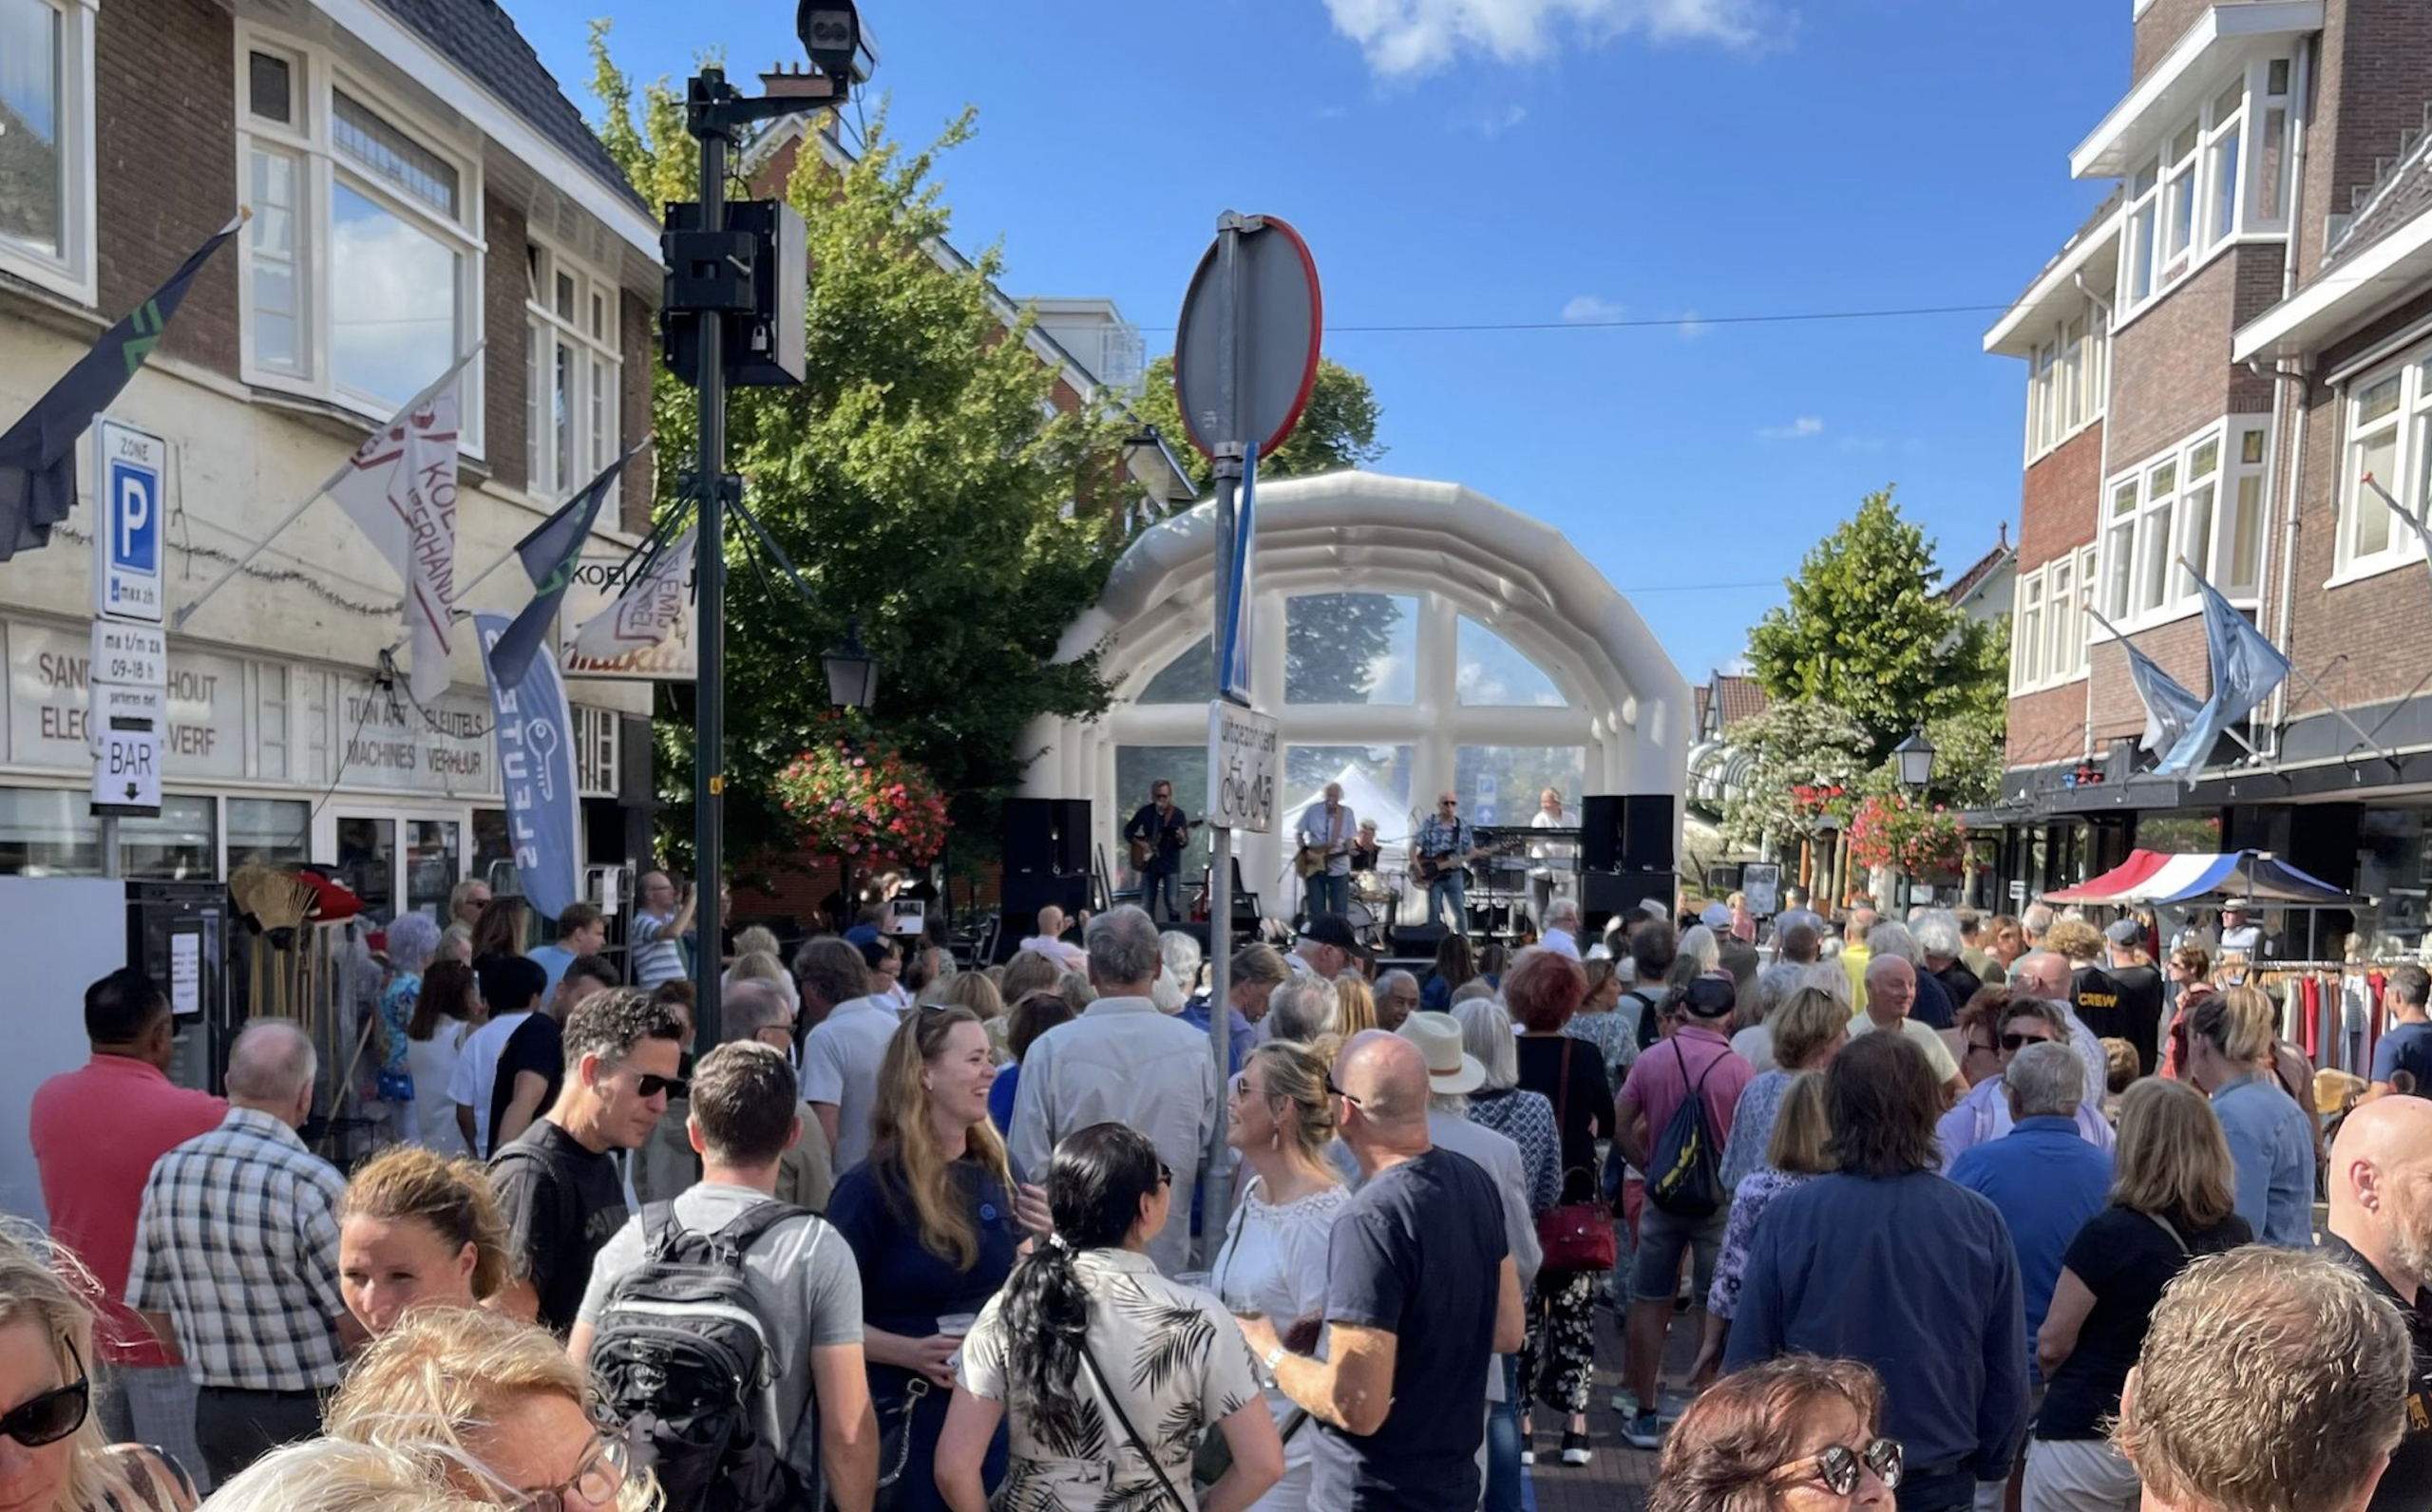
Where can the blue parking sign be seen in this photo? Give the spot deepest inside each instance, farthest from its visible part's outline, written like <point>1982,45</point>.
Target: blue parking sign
<point>128,470</point>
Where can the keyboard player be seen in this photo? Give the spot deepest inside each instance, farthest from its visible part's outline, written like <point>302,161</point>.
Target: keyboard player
<point>1552,859</point>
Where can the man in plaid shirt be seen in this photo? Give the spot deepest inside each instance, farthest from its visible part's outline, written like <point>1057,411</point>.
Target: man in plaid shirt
<point>237,1258</point>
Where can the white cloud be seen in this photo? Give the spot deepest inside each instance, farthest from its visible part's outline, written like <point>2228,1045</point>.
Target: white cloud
<point>1497,126</point>
<point>1691,327</point>
<point>1799,429</point>
<point>1407,39</point>
<point>1588,308</point>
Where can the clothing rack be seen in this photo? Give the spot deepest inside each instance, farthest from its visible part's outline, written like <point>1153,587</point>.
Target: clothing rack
<point>2332,1010</point>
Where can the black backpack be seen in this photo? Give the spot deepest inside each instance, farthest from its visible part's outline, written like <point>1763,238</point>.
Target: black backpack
<point>685,1360</point>
<point>1684,1176</point>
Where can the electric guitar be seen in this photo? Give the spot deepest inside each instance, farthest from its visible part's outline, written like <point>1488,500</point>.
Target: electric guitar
<point>1144,847</point>
<point>1432,868</point>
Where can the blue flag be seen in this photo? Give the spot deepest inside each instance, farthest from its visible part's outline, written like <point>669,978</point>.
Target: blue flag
<point>38,453</point>
<point>536,771</point>
<point>550,554</point>
<point>2170,709</point>
<point>2246,666</point>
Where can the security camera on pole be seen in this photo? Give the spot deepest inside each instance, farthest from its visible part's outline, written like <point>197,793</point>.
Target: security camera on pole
<point>732,314</point>
<point>1246,357</point>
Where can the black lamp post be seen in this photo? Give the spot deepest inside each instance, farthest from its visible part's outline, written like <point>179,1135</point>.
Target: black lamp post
<point>1916,758</point>
<point>852,671</point>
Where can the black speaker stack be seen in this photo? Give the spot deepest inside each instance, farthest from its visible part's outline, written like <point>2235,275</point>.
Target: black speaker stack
<point>1625,854</point>
<point>1047,864</point>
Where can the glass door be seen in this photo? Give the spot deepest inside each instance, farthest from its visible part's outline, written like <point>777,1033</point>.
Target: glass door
<point>435,861</point>
<point>396,860</point>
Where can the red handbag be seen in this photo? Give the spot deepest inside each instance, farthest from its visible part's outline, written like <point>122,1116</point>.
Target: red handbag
<point>1575,1236</point>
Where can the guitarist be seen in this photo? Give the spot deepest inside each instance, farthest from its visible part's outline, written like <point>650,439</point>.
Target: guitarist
<point>1443,845</point>
<point>1326,830</point>
<point>1165,831</point>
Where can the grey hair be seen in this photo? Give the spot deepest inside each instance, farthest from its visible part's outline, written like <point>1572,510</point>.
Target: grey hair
<point>1881,965</point>
<point>272,1061</point>
<point>2037,921</point>
<point>1183,957</point>
<point>1937,933</point>
<point>1699,944</point>
<point>413,939</point>
<point>1486,1033</point>
<point>1890,937</point>
<point>2045,1080</point>
<point>1562,911</point>
<point>1454,1105</point>
<point>1386,983</point>
<point>750,1005</point>
<point>1475,990</point>
<point>1776,983</point>
<point>1123,947</point>
<point>1301,1010</point>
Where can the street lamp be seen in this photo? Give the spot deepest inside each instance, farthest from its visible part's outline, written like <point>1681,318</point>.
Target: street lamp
<point>852,671</point>
<point>1916,758</point>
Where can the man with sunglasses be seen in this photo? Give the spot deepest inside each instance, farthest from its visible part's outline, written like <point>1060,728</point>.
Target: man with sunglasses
<point>558,1182</point>
<point>1444,840</point>
<point>237,1258</point>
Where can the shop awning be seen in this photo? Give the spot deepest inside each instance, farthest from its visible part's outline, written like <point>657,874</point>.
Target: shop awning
<point>2155,876</point>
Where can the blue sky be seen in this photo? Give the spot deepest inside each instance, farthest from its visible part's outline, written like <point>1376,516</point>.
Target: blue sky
<point>1517,161</point>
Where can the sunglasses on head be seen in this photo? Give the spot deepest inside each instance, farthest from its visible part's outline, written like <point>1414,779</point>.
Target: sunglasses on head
<point>2011,1042</point>
<point>51,1416</point>
<point>1333,1090</point>
<point>1837,1465</point>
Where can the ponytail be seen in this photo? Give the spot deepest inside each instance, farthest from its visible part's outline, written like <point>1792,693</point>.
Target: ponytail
<point>1096,1180</point>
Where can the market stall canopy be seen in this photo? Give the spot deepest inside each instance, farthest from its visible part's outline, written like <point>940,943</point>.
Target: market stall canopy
<point>2157,877</point>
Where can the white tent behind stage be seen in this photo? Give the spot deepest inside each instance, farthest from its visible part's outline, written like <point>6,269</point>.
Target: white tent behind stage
<point>1365,799</point>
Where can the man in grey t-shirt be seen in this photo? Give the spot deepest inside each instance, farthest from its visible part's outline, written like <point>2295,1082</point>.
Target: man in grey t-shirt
<point>805,1285</point>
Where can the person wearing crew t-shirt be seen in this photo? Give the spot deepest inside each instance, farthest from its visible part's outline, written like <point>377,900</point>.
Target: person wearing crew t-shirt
<point>558,1182</point>
<point>2381,1228</point>
<point>2139,988</point>
<point>532,1069</point>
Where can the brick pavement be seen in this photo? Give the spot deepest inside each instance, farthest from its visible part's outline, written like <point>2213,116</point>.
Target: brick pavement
<point>1618,1476</point>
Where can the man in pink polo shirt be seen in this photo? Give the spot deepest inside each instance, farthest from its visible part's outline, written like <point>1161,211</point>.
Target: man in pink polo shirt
<point>1697,1061</point>
<point>96,1133</point>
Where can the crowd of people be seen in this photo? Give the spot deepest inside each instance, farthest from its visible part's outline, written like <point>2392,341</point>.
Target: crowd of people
<point>1960,1210</point>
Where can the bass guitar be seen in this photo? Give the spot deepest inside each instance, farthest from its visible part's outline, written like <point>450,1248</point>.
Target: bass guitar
<point>1432,868</point>
<point>1144,847</point>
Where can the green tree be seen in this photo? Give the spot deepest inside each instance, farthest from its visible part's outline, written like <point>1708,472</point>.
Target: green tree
<point>1337,430</point>
<point>1867,633</point>
<point>1801,742</point>
<point>918,479</point>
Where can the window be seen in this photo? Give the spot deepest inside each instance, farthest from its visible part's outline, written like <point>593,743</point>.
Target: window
<point>274,831</point>
<point>47,143</point>
<point>2170,516</point>
<point>362,271</point>
<point>1350,649</point>
<point>2065,382</point>
<point>2048,631</point>
<point>571,343</point>
<point>2389,439</point>
<point>1499,783</point>
<point>2203,188</point>
<point>1493,673</point>
<point>1189,678</point>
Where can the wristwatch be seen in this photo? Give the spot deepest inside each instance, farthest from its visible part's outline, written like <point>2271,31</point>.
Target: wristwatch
<point>1273,1358</point>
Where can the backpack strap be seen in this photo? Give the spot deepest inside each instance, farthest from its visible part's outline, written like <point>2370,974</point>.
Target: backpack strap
<point>753,1222</point>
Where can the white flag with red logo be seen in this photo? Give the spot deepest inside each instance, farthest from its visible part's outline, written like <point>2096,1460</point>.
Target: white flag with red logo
<point>400,491</point>
<point>646,614</point>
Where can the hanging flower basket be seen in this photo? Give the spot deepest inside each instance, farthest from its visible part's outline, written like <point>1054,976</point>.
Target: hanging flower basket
<point>1896,831</point>
<point>854,798</point>
<point>1822,806</point>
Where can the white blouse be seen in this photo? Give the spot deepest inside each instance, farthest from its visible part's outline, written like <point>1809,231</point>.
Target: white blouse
<point>1274,1261</point>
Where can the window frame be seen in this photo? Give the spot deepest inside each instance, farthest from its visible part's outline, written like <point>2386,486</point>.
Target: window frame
<point>594,446</point>
<point>2069,381</point>
<point>74,274</point>
<point>2139,580</point>
<point>317,75</point>
<point>2048,639</point>
<point>2408,426</point>
<point>2219,185</point>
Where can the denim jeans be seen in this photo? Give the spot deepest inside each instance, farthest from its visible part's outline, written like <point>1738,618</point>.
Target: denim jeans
<point>1160,883</point>
<point>1503,1442</point>
<point>1455,886</point>
<point>1327,894</point>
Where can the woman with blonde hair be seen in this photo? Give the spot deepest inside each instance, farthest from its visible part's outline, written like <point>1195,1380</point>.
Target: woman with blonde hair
<point>2232,1059</point>
<point>1808,1029</point>
<point>495,1408</point>
<point>2173,1199</point>
<point>1795,1155</point>
<point>417,1229</point>
<point>58,1459</point>
<point>931,1217</point>
<point>1355,1005</point>
<point>1273,1260</point>
<point>974,991</point>
<point>333,1475</point>
<point>758,959</point>
<point>1029,972</point>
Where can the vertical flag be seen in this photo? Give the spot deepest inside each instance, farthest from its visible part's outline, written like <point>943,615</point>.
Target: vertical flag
<point>2246,666</point>
<point>400,490</point>
<point>1233,660</point>
<point>650,610</point>
<point>38,453</point>
<point>536,769</point>
<point>549,555</point>
<point>2170,708</point>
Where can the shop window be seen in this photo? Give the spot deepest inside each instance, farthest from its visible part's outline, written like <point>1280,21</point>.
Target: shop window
<point>48,832</point>
<point>181,844</point>
<point>271,831</point>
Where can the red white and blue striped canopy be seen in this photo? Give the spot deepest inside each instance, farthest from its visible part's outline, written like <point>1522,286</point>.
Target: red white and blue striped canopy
<point>2154,877</point>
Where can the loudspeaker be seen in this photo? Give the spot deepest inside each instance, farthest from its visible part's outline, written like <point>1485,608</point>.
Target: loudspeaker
<point>1024,895</point>
<point>1646,833</point>
<point>1603,895</point>
<point>1047,835</point>
<point>1600,833</point>
<point>1417,939</point>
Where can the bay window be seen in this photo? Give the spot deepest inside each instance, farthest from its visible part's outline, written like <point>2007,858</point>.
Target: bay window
<point>2208,181</point>
<point>362,272</point>
<point>2048,633</point>
<point>47,143</point>
<point>2199,506</point>
<point>574,361</point>
<point>2065,381</point>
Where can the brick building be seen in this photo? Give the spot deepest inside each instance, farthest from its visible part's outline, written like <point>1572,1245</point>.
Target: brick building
<point>418,183</point>
<point>2215,361</point>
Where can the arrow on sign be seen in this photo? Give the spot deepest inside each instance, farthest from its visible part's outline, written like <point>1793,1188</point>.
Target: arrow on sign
<point>133,792</point>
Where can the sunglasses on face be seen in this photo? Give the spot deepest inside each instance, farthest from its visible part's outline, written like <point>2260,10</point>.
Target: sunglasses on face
<point>649,1085</point>
<point>51,1416</point>
<point>1164,1174</point>
<point>1836,1466</point>
<point>597,1483</point>
<point>2011,1042</point>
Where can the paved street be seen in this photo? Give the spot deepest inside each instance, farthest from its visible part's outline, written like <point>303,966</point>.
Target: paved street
<point>1620,1477</point>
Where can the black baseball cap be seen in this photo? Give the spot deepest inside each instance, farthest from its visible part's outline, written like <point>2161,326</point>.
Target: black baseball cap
<point>1711,995</point>
<point>1332,929</point>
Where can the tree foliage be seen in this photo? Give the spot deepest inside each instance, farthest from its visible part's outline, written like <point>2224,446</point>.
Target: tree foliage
<point>1867,632</point>
<point>918,479</point>
<point>1337,430</point>
<point>1801,744</point>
